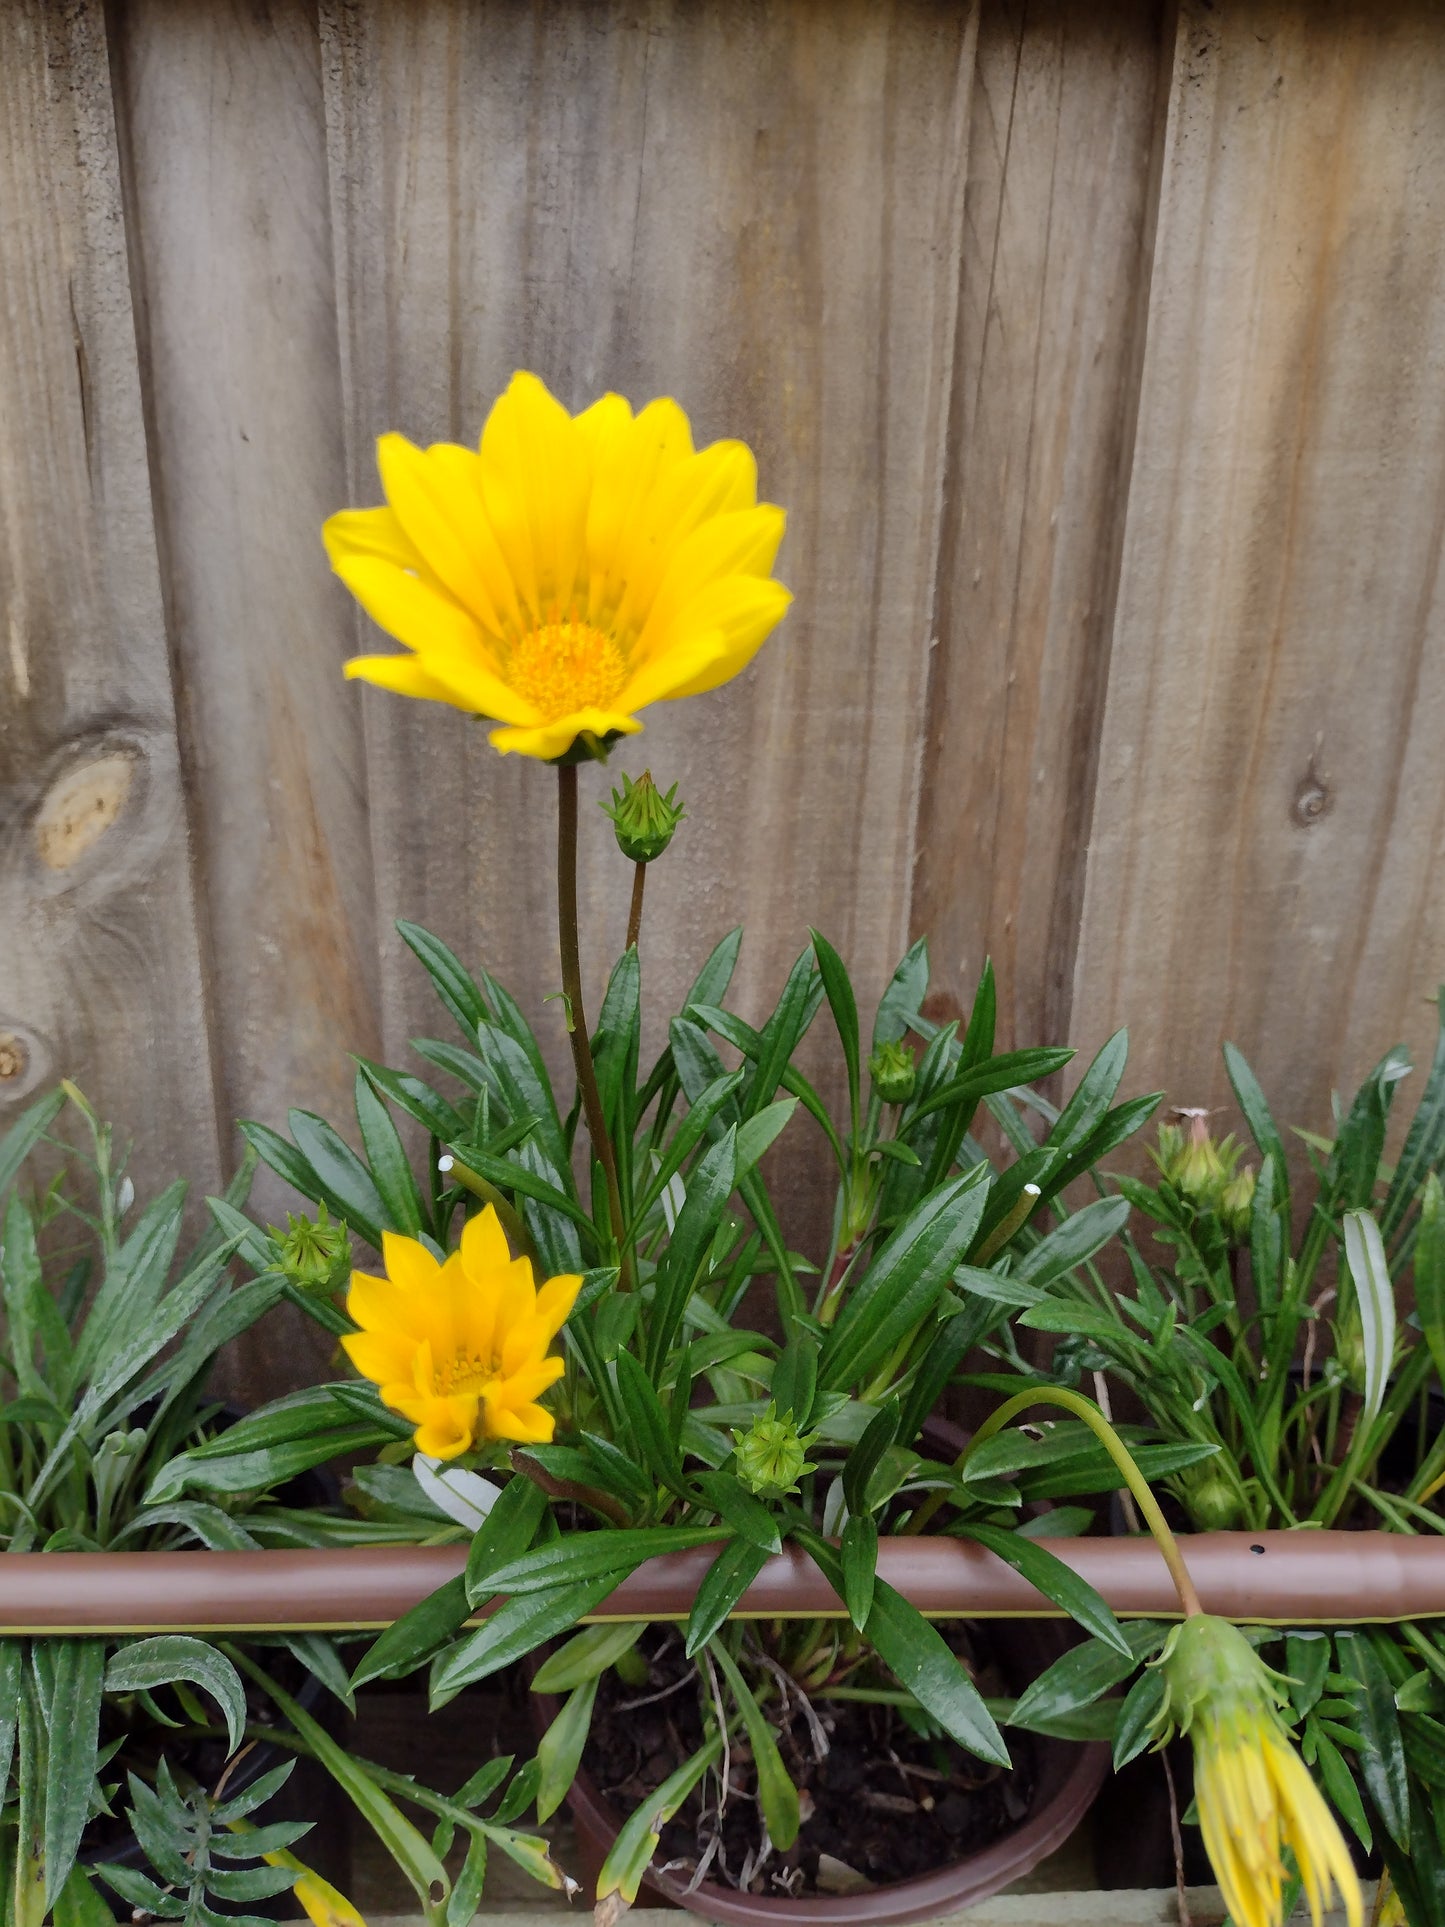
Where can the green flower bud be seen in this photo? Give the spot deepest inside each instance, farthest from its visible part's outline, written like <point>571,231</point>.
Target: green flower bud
<point>1236,1203</point>
<point>1212,1502</point>
<point>315,1254</point>
<point>1199,1167</point>
<point>772,1455</point>
<point>894,1072</point>
<point>1350,1349</point>
<point>644,818</point>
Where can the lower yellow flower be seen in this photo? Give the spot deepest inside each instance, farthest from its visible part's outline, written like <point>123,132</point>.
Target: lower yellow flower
<point>460,1347</point>
<point>1255,1797</point>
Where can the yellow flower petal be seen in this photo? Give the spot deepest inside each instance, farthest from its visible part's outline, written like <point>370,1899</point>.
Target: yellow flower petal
<point>744,611</point>
<point>383,1357</point>
<point>555,739</point>
<point>535,482</point>
<point>484,1245</point>
<point>402,675</point>
<point>368,532</point>
<point>555,1301</point>
<point>436,498</point>
<point>450,648</point>
<point>527,1425</point>
<point>448,1427</point>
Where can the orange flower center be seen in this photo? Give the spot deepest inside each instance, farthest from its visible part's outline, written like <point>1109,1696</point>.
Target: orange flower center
<point>566,666</point>
<point>462,1376</point>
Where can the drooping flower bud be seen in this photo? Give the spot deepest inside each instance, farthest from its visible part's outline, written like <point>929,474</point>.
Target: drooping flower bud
<point>1255,1796</point>
<point>772,1454</point>
<point>643,817</point>
<point>894,1072</point>
<point>315,1254</point>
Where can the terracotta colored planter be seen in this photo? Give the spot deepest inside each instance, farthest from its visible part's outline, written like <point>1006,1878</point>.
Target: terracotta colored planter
<point>1068,1778</point>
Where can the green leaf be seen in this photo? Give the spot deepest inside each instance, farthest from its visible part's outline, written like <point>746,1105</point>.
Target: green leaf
<point>838,988</point>
<point>859,1550</point>
<point>451,982</point>
<point>407,1847</point>
<point>782,1033</point>
<point>79,1905</point>
<point>400,1198</point>
<point>518,1627</point>
<point>343,1180</point>
<point>418,1634</point>
<point>708,1190</point>
<point>863,1461</point>
<point>510,1528</point>
<point>904,996</point>
<point>73,1745</point>
<point>649,1424</point>
<point>559,1751</point>
<point>418,1100</point>
<point>160,1661</point>
<point>1089,1105</point>
<point>12,1660</point>
<point>1375,1296</point>
<point>1002,1073</point>
<point>1339,1787</point>
<point>1262,1127</point>
<point>777,1795</point>
<point>1430,1271</point>
<point>584,1555</point>
<point>631,1852</point>
<point>584,1656</point>
<point>1068,1245</point>
<point>747,1516</point>
<point>1078,1677</point>
<point>903,1283</point>
<point>795,1378</point>
<point>1424,1146</point>
<point>1382,1755</point>
<point>758,1133</point>
<point>1138,1716</point>
<point>1306,1662</point>
<point>133,1282</point>
<point>1050,1576</point>
<point>917,1655</point>
<point>25,1133</point>
<point>723,1585</point>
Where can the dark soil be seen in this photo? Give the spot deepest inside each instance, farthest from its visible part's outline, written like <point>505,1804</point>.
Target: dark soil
<point>883,1804</point>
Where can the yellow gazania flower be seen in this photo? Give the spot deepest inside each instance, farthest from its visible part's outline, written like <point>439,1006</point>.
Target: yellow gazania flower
<point>567,574</point>
<point>1254,1795</point>
<point>460,1348</point>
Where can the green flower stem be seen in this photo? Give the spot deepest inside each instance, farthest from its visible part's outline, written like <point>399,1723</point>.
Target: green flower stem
<point>576,1015</point>
<point>1119,1452</point>
<point>634,915</point>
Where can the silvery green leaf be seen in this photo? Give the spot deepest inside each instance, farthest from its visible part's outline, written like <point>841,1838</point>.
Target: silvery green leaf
<point>1375,1294</point>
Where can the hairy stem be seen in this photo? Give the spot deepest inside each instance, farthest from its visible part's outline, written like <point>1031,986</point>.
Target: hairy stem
<point>576,1014</point>
<point>634,915</point>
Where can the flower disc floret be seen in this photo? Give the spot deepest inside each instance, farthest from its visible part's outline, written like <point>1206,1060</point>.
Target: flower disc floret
<point>567,572</point>
<point>460,1347</point>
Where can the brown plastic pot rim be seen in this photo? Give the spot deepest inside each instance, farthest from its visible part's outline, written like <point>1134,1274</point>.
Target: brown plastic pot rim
<point>1296,1578</point>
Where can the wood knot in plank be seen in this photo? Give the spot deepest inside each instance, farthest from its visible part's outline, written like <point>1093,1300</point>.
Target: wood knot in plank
<point>1312,797</point>
<point>80,806</point>
<point>25,1060</point>
<point>14,1058</point>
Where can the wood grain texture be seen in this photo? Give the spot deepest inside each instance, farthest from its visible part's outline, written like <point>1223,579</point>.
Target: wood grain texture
<point>1268,827</point>
<point>1055,263</point>
<point>757,209</point>
<point>223,133</point>
<point>100,968</point>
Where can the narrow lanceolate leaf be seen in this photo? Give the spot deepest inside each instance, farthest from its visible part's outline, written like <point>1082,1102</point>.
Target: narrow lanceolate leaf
<point>584,1555</point>
<point>1424,1141</point>
<point>584,1656</point>
<point>1375,1294</point>
<point>724,1583</point>
<point>1089,1104</point>
<point>1082,1674</point>
<point>1381,1758</point>
<point>73,1743</point>
<point>559,1752</point>
<point>1430,1271</point>
<point>918,1657</point>
<point>417,1634</point>
<point>844,1006</point>
<point>777,1795</point>
<point>517,1628</point>
<point>1055,1581</point>
<point>903,1283</point>
<point>632,1851</point>
<point>390,1167</point>
<point>859,1551</point>
<point>1137,1717</point>
<point>1262,1127</point>
<point>145,1663</point>
<point>24,1134</point>
<point>12,1660</point>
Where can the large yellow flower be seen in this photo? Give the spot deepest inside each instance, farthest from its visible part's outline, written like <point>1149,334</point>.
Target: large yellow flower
<point>460,1348</point>
<point>1254,1795</point>
<point>569,573</point>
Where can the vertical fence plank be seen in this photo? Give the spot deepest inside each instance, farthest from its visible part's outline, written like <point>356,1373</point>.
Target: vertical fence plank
<point>223,133</point>
<point>1268,826</point>
<point>758,211</point>
<point>100,968</point>
<point>1054,263</point>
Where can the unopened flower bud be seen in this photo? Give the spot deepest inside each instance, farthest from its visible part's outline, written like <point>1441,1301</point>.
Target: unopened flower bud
<point>643,817</point>
<point>1212,1502</point>
<point>315,1254</point>
<point>772,1455</point>
<point>1350,1349</point>
<point>1236,1202</point>
<point>1199,1167</point>
<point>894,1072</point>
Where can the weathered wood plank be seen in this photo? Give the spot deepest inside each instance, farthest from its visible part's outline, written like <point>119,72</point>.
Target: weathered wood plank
<point>760,212</point>
<point>100,968</point>
<point>223,133</point>
<point>1266,839</point>
<point>1055,259</point>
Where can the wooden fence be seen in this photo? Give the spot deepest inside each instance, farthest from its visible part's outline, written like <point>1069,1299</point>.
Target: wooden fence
<point>1097,351</point>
